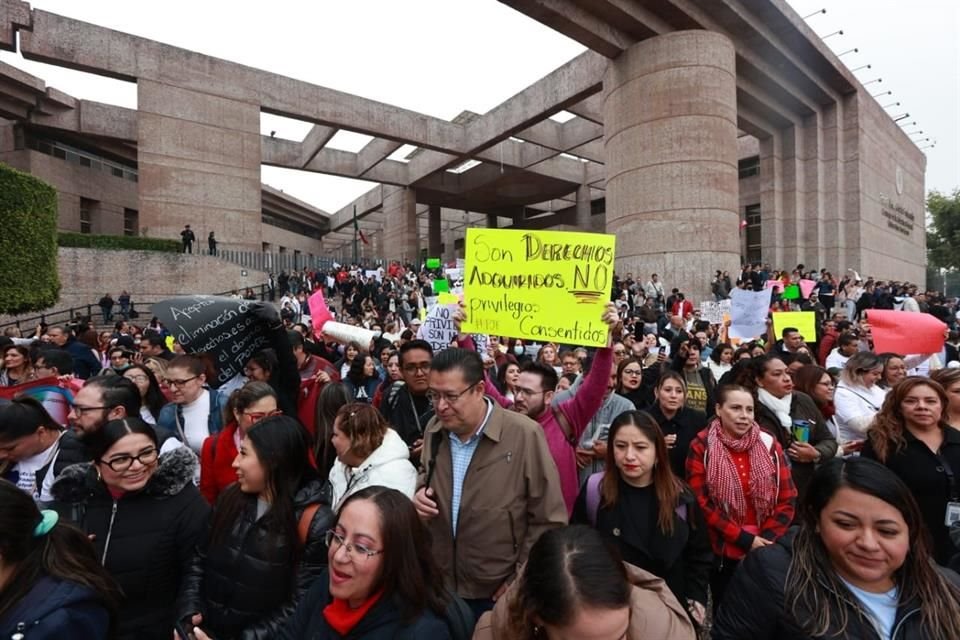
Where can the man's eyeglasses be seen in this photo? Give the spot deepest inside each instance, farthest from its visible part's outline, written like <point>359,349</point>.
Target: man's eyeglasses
<point>362,551</point>
<point>449,398</point>
<point>413,367</point>
<point>180,383</point>
<point>122,463</point>
<point>520,391</point>
<point>80,409</point>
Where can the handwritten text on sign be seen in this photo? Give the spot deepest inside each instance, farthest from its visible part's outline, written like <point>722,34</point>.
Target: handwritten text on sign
<point>538,285</point>
<point>223,328</point>
<point>438,327</point>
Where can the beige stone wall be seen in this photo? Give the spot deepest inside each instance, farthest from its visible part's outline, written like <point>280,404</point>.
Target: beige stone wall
<point>885,150</point>
<point>278,237</point>
<point>87,274</point>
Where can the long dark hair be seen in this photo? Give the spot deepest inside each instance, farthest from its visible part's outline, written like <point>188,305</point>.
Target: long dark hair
<point>64,553</point>
<point>154,399</point>
<point>623,365</point>
<point>333,396</point>
<point>281,446</point>
<point>886,432</point>
<point>113,431</point>
<point>409,572</point>
<point>666,485</point>
<point>567,569</point>
<point>815,607</point>
<point>355,373</point>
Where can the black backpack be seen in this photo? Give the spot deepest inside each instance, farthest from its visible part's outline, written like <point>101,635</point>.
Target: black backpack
<point>459,618</point>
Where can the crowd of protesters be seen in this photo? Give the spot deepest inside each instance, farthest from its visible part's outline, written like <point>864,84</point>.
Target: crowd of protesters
<point>672,484</point>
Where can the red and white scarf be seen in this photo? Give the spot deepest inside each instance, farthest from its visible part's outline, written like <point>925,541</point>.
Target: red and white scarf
<point>723,481</point>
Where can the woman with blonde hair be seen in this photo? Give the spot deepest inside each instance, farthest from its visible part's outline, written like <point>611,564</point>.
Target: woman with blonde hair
<point>910,436</point>
<point>858,397</point>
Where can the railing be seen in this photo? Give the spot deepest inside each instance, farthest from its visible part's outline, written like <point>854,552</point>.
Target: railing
<point>272,262</point>
<point>92,312</point>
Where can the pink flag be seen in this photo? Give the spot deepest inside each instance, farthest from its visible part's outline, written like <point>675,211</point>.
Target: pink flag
<point>319,313</point>
<point>806,286</point>
<point>905,332</point>
<point>776,285</point>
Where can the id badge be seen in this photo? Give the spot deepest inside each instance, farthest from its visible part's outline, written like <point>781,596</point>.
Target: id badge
<point>953,513</point>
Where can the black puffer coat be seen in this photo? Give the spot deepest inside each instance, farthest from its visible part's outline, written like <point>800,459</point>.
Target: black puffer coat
<point>382,622</point>
<point>144,539</point>
<point>247,585</point>
<point>754,605</point>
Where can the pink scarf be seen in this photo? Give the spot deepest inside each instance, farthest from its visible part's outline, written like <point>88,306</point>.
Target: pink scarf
<point>723,480</point>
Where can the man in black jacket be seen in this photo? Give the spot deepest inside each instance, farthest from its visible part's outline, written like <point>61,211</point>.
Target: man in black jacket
<point>405,404</point>
<point>85,364</point>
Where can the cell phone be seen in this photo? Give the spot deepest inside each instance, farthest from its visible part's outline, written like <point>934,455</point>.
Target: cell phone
<point>182,633</point>
<point>663,350</point>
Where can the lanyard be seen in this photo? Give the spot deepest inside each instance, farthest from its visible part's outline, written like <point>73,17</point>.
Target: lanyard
<point>948,471</point>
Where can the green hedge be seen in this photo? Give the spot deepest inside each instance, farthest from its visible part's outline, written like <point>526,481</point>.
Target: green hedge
<point>89,241</point>
<point>29,280</point>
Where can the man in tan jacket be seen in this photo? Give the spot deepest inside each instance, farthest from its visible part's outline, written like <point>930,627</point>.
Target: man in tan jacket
<point>488,486</point>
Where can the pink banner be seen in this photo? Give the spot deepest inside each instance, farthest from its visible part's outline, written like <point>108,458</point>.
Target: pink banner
<point>319,313</point>
<point>806,286</point>
<point>905,332</point>
<point>776,285</point>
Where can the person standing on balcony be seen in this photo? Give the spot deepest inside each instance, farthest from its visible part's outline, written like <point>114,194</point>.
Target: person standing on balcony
<point>212,243</point>
<point>188,238</point>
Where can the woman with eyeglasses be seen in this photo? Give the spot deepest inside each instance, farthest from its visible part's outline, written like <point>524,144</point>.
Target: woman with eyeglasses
<point>633,385</point>
<point>151,396</point>
<point>247,406</point>
<point>195,413</point>
<point>266,543</point>
<point>381,582</point>
<point>144,515</point>
<point>369,453</point>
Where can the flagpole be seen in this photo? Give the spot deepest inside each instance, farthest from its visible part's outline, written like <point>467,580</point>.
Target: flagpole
<point>355,228</point>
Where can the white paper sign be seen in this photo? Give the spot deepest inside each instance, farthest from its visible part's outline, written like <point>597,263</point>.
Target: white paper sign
<point>713,311</point>
<point>748,313</point>
<point>438,327</point>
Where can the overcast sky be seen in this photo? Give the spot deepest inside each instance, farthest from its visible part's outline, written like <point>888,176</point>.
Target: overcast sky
<point>440,57</point>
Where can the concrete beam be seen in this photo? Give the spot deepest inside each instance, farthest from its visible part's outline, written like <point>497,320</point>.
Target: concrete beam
<point>591,108</point>
<point>375,152</point>
<point>13,15</point>
<point>576,23</point>
<point>316,139</point>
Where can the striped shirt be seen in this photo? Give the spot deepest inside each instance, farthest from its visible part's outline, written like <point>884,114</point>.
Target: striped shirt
<point>461,453</point>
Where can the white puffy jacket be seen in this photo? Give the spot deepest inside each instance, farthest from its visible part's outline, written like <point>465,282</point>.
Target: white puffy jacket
<point>388,466</point>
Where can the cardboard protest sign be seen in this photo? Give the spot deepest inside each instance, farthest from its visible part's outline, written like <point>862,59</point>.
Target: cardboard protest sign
<point>748,313</point>
<point>776,285</point>
<point>440,285</point>
<point>791,292</point>
<point>905,332</point>
<point>433,263</point>
<point>548,286</point>
<point>56,399</point>
<point>224,328</point>
<point>712,312</point>
<point>803,321</point>
<point>438,328</point>
<point>806,287</point>
<point>319,313</point>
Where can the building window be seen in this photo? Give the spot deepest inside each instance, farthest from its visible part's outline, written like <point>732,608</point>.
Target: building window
<point>88,211</point>
<point>754,251</point>
<point>131,222</point>
<point>749,167</point>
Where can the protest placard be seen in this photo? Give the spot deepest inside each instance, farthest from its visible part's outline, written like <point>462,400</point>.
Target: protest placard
<point>791,292</point>
<point>221,327</point>
<point>440,285</point>
<point>438,327</point>
<point>803,321</point>
<point>319,313</point>
<point>433,263</point>
<point>806,287</point>
<point>748,313</point>
<point>776,285</point>
<point>548,286</point>
<point>905,332</point>
<point>714,312</point>
<point>55,397</point>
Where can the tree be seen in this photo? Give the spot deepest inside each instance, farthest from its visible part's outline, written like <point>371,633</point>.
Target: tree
<point>28,243</point>
<point>943,235</point>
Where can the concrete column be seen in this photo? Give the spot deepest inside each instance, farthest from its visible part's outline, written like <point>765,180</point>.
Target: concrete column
<point>199,162</point>
<point>670,138</point>
<point>583,208</point>
<point>400,237</point>
<point>492,222</point>
<point>434,231</point>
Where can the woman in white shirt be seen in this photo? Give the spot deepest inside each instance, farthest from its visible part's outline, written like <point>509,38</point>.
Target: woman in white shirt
<point>858,397</point>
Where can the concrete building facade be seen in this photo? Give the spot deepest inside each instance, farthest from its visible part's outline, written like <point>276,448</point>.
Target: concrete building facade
<point>688,118</point>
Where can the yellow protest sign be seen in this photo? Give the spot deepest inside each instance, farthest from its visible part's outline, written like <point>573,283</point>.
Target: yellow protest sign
<point>803,321</point>
<point>547,286</point>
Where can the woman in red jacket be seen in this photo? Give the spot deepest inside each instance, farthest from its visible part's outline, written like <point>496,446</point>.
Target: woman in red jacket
<point>247,406</point>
